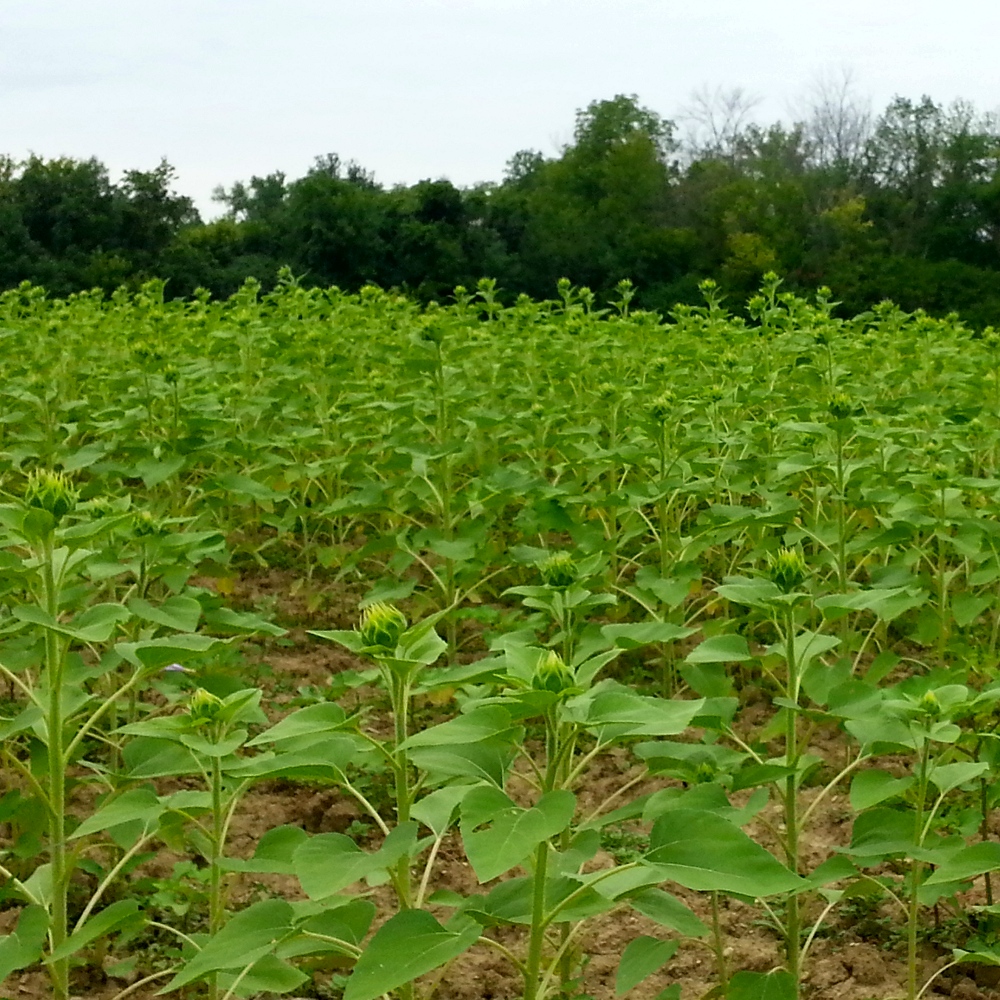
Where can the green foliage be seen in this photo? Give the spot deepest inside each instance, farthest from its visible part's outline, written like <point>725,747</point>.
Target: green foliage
<point>595,554</point>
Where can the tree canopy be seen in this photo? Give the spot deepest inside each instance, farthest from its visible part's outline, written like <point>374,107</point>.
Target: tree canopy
<point>902,205</point>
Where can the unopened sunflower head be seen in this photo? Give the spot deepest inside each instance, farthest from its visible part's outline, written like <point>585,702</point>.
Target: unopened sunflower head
<point>204,707</point>
<point>929,705</point>
<point>558,570</point>
<point>382,625</point>
<point>787,569</point>
<point>52,492</point>
<point>552,674</point>
<point>661,407</point>
<point>841,405</point>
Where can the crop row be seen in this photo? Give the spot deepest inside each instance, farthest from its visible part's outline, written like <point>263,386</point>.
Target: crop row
<point>607,532</point>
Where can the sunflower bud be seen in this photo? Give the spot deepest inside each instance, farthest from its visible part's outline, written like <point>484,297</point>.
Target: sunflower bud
<point>203,706</point>
<point>552,674</point>
<point>145,524</point>
<point>52,492</point>
<point>661,407</point>
<point>930,705</point>
<point>382,625</point>
<point>558,570</point>
<point>704,773</point>
<point>101,507</point>
<point>841,406</point>
<point>940,472</point>
<point>787,569</point>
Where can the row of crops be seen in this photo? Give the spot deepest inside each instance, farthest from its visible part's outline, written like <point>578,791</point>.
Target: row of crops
<point>580,535</point>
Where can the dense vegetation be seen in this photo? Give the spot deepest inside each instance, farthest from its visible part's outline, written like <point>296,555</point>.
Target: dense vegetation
<point>691,588</point>
<point>905,206</point>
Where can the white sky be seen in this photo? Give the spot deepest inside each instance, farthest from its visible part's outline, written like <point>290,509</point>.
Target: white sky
<point>436,88</point>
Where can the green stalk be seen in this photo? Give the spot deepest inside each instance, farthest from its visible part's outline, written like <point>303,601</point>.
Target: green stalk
<point>216,904</point>
<point>537,939</point>
<point>942,582</point>
<point>719,945</point>
<point>59,969</point>
<point>841,519</point>
<point>400,691</point>
<point>984,830</point>
<point>916,870</point>
<point>662,504</point>
<point>793,920</point>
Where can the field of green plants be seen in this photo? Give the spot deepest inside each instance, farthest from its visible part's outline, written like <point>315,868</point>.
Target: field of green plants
<point>351,648</point>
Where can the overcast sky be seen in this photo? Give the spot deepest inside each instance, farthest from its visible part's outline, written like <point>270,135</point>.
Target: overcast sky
<point>436,88</point>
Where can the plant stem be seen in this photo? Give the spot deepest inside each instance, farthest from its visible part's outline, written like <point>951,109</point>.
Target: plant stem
<point>399,689</point>
<point>719,946</point>
<point>216,904</point>
<point>792,928</point>
<point>916,870</point>
<point>59,969</point>
<point>537,939</point>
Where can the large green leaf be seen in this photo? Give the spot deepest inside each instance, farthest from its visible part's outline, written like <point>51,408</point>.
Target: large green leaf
<point>152,653</point>
<point>704,851</point>
<point>487,760</point>
<point>775,985</point>
<point>475,726</point>
<point>510,834</point>
<point>614,711</point>
<point>642,957</point>
<point>96,624</point>
<point>312,721</point>
<point>327,863</point>
<point>245,938</point>
<point>119,914</point>
<point>636,634</point>
<point>871,787</point>
<point>437,810</point>
<point>967,863</point>
<point>408,945</point>
<point>267,975</point>
<point>721,649</point>
<point>241,622</point>
<point>137,805</point>
<point>667,911</point>
<point>179,613</point>
<point>23,946</point>
<point>275,852</point>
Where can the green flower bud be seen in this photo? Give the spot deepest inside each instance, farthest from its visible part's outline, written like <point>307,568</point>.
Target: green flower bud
<point>432,332</point>
<point>146,524</point>
<point>558,570</point>
<point>203,706</point>
<point>940,472</point>
<point>841,406</point>
<point>661,407</point>
<point>101,507</point>
<point>552,674</point>
<point>787,569</point>
<point>930,705</point>
<point>382,625</point>
<point>704,773</point>
<point>50,491</point>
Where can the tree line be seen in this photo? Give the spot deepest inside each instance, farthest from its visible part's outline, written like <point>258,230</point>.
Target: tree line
<point>902,205</point>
